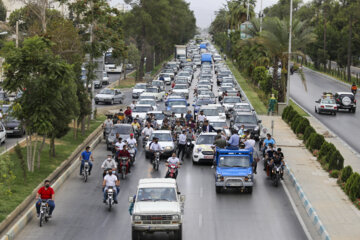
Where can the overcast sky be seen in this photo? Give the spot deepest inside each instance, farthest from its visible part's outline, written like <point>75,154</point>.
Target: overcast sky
<point>204,9</point>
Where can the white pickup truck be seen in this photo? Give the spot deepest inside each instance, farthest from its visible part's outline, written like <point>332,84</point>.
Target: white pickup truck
<point>157,207</point>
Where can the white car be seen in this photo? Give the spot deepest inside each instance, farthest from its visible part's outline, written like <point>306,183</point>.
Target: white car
<point>178,110</point>
<point>203,151</point>
<point>165,141</point>
<point>184,75</point>
<point>138,89</point>
<point>159,84</point>
<point>158,207</point>
<point>110,96</point>
<point>2,133</point>
<point>140,111</point>
<point>221,124</point>
<point>167,78</point>
<point>182,88</point>
<point>148,101</point>
<point>159,116</point>
<point>105,79</point>
<point>217,58</point>
<point>154,91</point>
<point>220,108</point>
<point>243,107</point>
<point>326,105</point>
<point>211,113</point>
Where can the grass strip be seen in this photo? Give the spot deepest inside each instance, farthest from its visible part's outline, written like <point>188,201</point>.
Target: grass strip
<point>298,109</point>
<point>22,188</point>
<point>251,94</point>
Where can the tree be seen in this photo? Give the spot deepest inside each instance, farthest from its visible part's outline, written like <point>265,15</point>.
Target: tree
<point>45,80</point>
<point>2,11</point>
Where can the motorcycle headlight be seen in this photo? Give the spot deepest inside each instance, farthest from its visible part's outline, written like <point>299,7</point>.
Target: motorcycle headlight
<point>175,217</point>
<point>168,148</point>
<point>137,218</point>
<point>256,128</point>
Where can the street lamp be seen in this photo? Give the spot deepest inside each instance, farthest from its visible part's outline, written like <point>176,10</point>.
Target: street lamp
<point>289,57</point>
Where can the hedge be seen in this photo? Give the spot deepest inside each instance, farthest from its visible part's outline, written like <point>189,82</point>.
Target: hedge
<point>308,131</point>
<point>286,111</point>
<point>336,161</point>
<point>334,173</point>
<point>352,186</point>
<point>295,122</point>
<point>346,173</point>
<point>292,115</point>
<point>302,126</point>
<point>325,149</point>
<point>315,141</point>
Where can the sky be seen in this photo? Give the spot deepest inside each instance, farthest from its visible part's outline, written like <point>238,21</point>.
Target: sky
<point>204,9</point>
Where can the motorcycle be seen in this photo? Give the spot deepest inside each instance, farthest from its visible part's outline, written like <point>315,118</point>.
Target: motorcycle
<point>110,197</point>
<point>145,139</point>
<point>106,132</point>
<point>44,212</point>
<point>136,133</point>
<point>85,171</point>
<point>132,153</point>
<point>172,171</point>
<point>276,174</point>
<point>188,148</point>
<point>123,167</point>
<point>156,161</point>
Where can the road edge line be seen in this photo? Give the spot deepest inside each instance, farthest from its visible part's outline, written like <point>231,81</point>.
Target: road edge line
<point>19,225</point>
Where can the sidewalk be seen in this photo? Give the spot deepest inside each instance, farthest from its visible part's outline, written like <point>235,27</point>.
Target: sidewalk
<point>339,216</point>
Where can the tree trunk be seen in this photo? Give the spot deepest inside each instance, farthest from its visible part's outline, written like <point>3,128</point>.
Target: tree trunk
<point>28,157</point>
<point>34,154</point>
<point>83,127</point>
<point>43,15</point>
<point>325,59</point>
<point>349,54</point>
<point>39,151</point>
<point>52,144</point>
<point>75,128</point>
<point>124,70</point>
<point>149,60</point>
<point>88,122</point>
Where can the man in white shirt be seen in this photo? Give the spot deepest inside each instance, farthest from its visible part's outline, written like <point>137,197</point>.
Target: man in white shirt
<point>107,125</point>
<point>132,141</point>
<point>173,160</point>
<point>132,105</point>
<point>182,144</point>
<point>250,143</point>
<point>147,131</point>
<point>110,180</point>
<point>201,117</point>
<point>119,145</point>
<point>108,163</point>
<point>155,147</point>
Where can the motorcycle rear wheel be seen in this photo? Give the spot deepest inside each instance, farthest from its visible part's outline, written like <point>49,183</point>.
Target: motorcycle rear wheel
<point>41,219</point>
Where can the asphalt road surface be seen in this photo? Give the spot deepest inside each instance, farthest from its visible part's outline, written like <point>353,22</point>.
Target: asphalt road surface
<point>80,213</point>
<point>344,124</point>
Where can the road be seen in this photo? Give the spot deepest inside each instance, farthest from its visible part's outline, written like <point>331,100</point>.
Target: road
<point>344,124</point>
<point>80,213</point>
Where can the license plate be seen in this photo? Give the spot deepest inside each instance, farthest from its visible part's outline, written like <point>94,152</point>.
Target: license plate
<point>9,131</point>
<point>234,184</point>
<point>209,157</point>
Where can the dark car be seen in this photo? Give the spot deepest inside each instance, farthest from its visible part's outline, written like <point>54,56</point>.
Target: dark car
<point>250,122</point>
<point>345,100</point>
<point>13,127</point>
<point>124,131</point>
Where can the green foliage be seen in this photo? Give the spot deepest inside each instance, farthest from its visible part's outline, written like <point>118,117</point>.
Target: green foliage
<point>352,186</point>
<point>346,173</point>
<point>21,160</point>
<point>336,161</point>
<point>295,122</point>
<point>2,11</point>
<point>286,112</point>
<point>7,176</point>
<point>303,123</point>
<point>334,173</point>
<point>308,131</point>
<point>325,149</point>
<point>315,141</point>
<point>259,74</point>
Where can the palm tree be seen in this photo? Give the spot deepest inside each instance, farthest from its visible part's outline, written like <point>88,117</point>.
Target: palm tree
<point>275,38</point>
<point>238,12</point>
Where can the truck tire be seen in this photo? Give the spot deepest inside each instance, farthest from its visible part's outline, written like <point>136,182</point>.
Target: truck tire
<point>249,189</point>
<point>135,235</point>
<point>353,110</point>
<point>178,234</point>
<point>218,189</point>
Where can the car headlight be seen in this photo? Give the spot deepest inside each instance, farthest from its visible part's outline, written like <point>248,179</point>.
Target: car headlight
<point>137,218</point>
<point>175,217</point>
<point>16,128</point>
<point>219,177</point>
<point>169,148</point>
<point>256,128</point>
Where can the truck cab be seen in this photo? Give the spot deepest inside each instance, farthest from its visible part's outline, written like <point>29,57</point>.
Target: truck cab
<point>234,169</point>
<point>157,207</point>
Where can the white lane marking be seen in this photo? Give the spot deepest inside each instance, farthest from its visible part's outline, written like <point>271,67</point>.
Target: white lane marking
<point>200,220</point>
<point>201,192</point>
<point>105,221</point>
<point>306,231</point>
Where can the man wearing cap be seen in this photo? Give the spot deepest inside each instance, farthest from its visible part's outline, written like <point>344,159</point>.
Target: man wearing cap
<point>132,140</point>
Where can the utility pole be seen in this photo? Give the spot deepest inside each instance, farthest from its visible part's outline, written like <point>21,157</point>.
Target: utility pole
<point>248,10</point>
<point>261,14</point>
<point>92,62</point>
<point>289,56</point>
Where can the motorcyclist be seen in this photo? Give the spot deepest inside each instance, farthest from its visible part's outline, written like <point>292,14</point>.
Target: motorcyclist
<point>182,144</point>
<point>354,88</point>
<point>155,147</point>
<point>132,140</point>
<point>191,124</point>
<point>86,156</point>
<point>241,131</point>
<point>278,160</point>
<point>121,115</point>
<point>124,153</point>
<point>109,163</point>
<point>177,129</point>
<point>128,113</point>
<point>136,126</point>
<point>107,125</point>
<point>201,117</point>
<point>110,180</point>
<point>267,141</point>
<point>173,160</point>
<point>182,120</point>
<point>45,193</point>
<point>165,125</point>
<point>132,105</point>
<point>147,131</point>
<point>269,154</point>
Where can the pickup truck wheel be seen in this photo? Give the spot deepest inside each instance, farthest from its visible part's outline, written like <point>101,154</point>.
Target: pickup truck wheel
<point>353,110</point>
<point>178,234</point>
<point>218,189</point>
<point>249,189</point>
<point>135,235</point>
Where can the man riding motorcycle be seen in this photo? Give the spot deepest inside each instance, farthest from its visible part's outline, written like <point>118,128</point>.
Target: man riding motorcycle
<point>132,141</point>
<point>124,153</point>
<point>108,163</point>
<point>86,156</point>
<point>107,125</point>
<point>155,147</point>
<point>136,126</point>
<point>45,193</point>
<point>173,160</point>
<point>110,180</point>
<point>354,88</point>
<point>146,132</point>
<point>128,113</point>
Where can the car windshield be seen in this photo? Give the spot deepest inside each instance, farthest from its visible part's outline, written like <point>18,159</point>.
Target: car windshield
<point>246,119</point>
<point>159,116</point>
<point>146,97</point>
<point>219,124</point>
<point>185,74</point>
<point>172,103</point>
<point>147,101</point>
<point>178,110</point>
<point>232,100</point>
<point>225,88</point>
<point>211,112</point>
<point>142,109</point>
<point>203,102</point>
<point>107,91</point>
<point>153,90</point>
<point>156,194</point>
<point>156,83</point>
<point>328,101</point>
<point>163,137</point>
<point>180,87</point>
<point>168,71</point>
<point>242,107</point>
<point>234,161</point>
<point>205,139</point>
<point>181,81</point>
<point>121,129</point>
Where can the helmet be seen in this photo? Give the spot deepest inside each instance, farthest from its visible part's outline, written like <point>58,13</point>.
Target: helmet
<point>131,134</point>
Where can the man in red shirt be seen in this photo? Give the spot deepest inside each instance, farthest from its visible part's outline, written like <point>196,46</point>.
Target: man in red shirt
<point>124,153</point>
<point>128,113</point>
<point>45,193</point>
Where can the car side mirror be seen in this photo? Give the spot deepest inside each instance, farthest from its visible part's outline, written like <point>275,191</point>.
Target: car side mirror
<point>131,199</point>
<point>182,198</point>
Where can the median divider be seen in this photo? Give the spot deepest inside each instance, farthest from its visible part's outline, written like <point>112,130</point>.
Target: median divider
<point>18,219</point>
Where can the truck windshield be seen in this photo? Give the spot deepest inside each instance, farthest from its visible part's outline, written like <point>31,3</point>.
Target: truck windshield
<point>156,194</point>
<point>234,161</point>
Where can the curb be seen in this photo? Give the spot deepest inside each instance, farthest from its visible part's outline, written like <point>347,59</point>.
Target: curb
<point>26,209</point>
<point>320,228</point>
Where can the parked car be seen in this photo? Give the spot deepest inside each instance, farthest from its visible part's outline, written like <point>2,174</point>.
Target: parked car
<point>109,96</point>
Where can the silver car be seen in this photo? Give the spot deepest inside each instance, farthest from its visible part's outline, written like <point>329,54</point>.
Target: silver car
<point>110,96</point>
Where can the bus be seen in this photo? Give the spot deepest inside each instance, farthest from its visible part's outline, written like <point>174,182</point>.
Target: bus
<point>110,64</point>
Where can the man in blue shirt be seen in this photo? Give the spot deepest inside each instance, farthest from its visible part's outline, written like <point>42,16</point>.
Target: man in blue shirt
<point>233,141</point>
<point>86,156</point>
<point>268,140</point>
